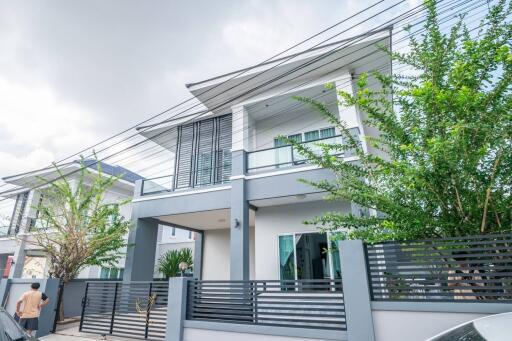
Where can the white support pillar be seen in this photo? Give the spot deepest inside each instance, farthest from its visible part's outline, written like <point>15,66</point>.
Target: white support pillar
<point>350,115</point>
<point>18,260</point>
<point>240,129</point>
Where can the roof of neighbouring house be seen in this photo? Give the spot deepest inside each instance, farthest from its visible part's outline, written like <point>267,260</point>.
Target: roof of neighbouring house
<point>106,168</point>
<point>122,172</point>
<point>39,177</point>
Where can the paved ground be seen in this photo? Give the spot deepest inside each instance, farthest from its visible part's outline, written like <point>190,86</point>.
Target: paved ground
<point>70,332</point>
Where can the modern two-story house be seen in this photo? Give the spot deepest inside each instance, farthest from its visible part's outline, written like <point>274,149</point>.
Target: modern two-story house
<point>235,183</point>
<point>21,259</point>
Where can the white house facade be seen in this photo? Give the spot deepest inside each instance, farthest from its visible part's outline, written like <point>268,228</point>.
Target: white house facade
<point>234,182</point>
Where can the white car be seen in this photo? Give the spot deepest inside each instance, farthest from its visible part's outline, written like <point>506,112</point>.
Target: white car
<point>489,328</point>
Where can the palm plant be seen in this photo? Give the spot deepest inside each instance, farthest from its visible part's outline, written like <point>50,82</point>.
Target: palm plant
<point>169,263</point>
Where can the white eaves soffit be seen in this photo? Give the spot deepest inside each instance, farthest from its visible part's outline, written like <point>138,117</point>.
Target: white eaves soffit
<point>221,93</point>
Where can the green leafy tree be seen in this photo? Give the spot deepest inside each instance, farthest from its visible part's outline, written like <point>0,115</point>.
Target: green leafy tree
<point>444,161</point>
<point>169,263</point>
<point>77,227</point>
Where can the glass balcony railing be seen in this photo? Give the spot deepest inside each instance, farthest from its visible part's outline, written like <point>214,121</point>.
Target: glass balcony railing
<point>4,231</point>
<point>202,177</point>
<point>286,156</point>
<point>157,185</point>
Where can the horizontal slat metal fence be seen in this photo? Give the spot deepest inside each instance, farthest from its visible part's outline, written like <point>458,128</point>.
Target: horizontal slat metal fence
<point>133,309</point>
<point>316,304</point>
<point>467,269</point>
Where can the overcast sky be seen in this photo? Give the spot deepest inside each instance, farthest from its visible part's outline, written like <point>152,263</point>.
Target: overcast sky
<point>73,72</point>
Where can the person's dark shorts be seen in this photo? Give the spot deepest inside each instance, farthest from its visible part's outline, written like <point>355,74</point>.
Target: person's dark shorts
<point>30,323</point>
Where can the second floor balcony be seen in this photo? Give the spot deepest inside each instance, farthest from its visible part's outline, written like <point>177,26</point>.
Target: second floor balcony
<point>258,161</point>
<point>287,156</point>
<point>202,150</point>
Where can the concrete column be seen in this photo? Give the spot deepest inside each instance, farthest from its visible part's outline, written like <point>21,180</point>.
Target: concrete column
<point>18,260</point>
<point>50,287</point>
<point>140,256</point>
<point>177,308</point>
<point>239,230</point>
<point>350,115</point>
<point>198,255</point>
<point>356,291</point>
<point>241,127</point>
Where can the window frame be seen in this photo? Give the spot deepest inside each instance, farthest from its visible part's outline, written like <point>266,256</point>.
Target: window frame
<point>294,235</point>
<point>303,136</point>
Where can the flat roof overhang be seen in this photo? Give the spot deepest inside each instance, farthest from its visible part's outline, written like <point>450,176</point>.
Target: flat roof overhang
<point>219,94</point>
<point>41,178</point>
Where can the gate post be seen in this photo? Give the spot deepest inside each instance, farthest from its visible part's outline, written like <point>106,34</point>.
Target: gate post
<point>84,303</point>
<point>148,310</point>
<point>356,291</point>
<point>114,309</point>
<point>176,308</point>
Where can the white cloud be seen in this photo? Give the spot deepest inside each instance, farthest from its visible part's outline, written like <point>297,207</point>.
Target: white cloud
<point>38,127</point>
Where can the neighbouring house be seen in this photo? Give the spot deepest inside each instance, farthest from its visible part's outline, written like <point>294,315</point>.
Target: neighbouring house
<point>20,259</point>
<point>235,183</point>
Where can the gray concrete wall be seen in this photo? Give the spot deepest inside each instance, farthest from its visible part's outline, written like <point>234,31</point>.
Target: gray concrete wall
<point>187,201</point>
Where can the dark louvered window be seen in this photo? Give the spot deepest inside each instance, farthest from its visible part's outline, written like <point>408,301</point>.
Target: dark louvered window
<point>203,155</point>
<point>17,215</point>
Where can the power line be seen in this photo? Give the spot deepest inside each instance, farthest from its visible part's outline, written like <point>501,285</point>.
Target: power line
<point>118,153</point>
<point>236,74</point>
<point>286,59</point>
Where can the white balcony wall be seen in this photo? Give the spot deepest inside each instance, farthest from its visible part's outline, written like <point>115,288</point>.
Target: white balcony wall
<point>289,123</point>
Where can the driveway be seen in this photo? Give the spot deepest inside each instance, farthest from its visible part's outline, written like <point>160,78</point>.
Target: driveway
<point>70,332</point>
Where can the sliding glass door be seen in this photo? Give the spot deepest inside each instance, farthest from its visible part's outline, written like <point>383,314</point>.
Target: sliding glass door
<point>308,256</point>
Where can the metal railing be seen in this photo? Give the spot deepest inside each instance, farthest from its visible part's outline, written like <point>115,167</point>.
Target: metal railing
<point>198,178</point>
<point>4,231</point>
<point>468,269</point>
<point>315,304</point>
<point>286,156</point>
<point>156,185</point>
<point>126,309</point>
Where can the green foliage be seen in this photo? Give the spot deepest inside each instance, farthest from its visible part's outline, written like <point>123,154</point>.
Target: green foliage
<point>442,164</point>
<point>169,263</point>
<point>77,226</point>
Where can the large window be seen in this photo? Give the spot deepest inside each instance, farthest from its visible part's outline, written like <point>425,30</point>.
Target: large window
<point>111,273</point>
<point>308,256</point>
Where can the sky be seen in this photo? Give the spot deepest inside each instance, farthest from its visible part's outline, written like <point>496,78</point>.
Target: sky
<point>75,72</point>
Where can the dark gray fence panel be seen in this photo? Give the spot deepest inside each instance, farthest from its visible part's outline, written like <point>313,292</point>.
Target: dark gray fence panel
<point>466,269</point>
<point>315,304</point>
<point>73,294</point>
<point>129,309</point>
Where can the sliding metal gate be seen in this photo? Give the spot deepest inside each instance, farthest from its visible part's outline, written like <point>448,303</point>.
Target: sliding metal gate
<point>132,309</point>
